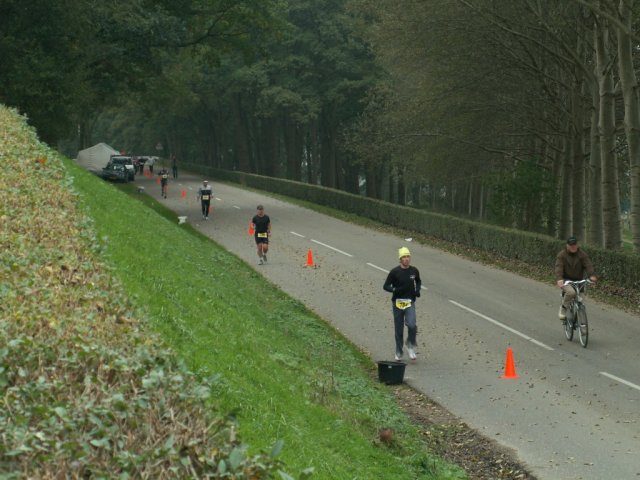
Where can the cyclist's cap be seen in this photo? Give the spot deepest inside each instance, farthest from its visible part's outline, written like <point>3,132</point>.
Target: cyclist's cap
<point>404,252</point>
<point>260,207</point>
<point>572,241</point>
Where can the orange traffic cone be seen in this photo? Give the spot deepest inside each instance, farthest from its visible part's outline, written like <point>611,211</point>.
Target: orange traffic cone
<point>183,194</point>
<point>251,230</point>
<point>158,180</point>
<point>310,259</point>
<point>510,368</point>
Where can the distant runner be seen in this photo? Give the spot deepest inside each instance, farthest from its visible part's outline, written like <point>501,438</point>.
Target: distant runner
<point>262,228</point>
<point>205,192</point>
<point>164,180</point>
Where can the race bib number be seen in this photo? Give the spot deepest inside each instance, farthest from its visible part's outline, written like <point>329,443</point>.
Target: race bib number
<point>263,235</point>
<point>205,197</point>
<point>165,176</point>
<point>403,303</point>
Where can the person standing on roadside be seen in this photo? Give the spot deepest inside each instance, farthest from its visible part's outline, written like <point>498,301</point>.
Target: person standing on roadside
<point>174,166</point>
<point>205,192</point>
<point>262,231</point>
<point>150,162</point>
<point>572,264</point>
<point>404,283</point>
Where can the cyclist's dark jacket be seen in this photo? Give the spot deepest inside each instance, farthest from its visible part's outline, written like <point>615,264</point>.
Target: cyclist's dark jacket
<point>261,223</point>
<point>164,175</point>
<point>573,266</point>
<point>403,283</point>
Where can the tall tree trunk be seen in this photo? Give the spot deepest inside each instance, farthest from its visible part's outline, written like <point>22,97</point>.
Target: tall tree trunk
<point>241,143</point>
<point>607,128</point>
<point>328,153</point>
<point>313,152</point>
<point>553,209</point>
<point>402,190</point>
<point>385,182</point>
<point>595,228</point>
<point>84,134</point>
<point>371,180</point>
<point>293,144</point>
<point>579,227</point>
<point>629,84</point>
<point>566,189</point>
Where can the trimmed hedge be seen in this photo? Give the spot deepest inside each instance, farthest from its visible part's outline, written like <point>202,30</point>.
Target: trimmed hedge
<point>535,249</point>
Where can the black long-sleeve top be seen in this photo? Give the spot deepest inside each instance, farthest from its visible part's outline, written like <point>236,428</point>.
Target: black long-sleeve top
<point>403,283</point>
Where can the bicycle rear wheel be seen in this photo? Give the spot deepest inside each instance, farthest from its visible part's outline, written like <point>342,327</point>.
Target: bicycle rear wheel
<point>583,326</point>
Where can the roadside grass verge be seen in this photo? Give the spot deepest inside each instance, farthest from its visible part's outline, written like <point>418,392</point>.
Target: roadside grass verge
<point>86,389</point>
<point>281,371</point>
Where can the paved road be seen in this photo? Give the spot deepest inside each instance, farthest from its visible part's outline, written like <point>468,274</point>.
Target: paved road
<point>573,413</point>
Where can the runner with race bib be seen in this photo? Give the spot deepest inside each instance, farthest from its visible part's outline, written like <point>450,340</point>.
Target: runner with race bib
<point>205,192</point>
<point>262,228</point>
<point>404,283</point>
<point>164,180</point>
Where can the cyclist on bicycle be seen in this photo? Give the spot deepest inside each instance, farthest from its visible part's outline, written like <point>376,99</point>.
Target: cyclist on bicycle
<point>164,179</point>
<point>572,264</point>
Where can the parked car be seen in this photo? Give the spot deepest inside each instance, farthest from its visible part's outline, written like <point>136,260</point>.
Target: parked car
<point>126,162</point>
<point>115,172</point>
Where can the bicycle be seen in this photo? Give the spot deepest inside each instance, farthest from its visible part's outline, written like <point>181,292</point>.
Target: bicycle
<point>577,313</point>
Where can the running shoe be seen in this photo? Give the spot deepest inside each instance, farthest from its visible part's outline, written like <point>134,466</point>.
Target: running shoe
<point>412,353</point>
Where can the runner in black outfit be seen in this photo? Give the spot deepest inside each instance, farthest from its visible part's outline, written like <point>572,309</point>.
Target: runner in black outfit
<point>262,228</point>
<point>204,195</point>
<point>164,180</point>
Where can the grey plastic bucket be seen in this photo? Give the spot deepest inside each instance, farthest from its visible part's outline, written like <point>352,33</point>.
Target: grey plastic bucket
<point>391,373</point>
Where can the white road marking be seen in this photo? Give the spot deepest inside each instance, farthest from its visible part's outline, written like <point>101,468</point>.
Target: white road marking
<point>379,268</point>
<point>332,248</point>
<point>236,206</point>
<point>502,325</point>
<point>297,234</point>
<point>219,199</point>
<point>621,380</point>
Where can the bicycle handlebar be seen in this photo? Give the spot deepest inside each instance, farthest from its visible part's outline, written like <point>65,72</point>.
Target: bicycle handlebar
<point>578,282</point>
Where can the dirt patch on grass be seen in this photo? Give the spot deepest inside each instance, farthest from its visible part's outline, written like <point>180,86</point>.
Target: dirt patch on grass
<point>452,439</point>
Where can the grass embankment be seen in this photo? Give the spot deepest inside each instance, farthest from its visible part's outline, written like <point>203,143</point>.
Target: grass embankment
<point>283,372</point>
<point>88,389</point>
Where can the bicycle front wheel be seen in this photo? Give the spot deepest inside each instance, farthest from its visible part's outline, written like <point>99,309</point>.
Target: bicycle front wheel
<point>583,326</point>
<point>568,327</point>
